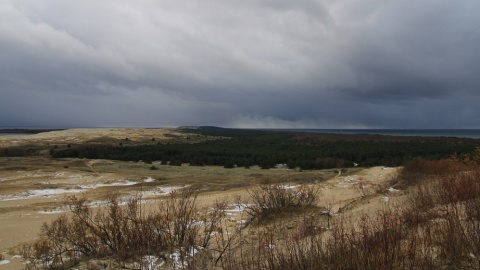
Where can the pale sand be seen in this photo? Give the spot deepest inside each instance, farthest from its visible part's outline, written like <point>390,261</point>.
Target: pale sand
<point>87,134</point>
<point>23,224</point>
<point>21,219</point>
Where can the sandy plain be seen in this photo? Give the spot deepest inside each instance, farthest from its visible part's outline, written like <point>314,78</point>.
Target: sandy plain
<point>35,190</point>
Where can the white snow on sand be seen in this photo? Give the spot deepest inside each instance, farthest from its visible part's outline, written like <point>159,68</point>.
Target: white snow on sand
<point>51,212</point>
<point>51,192</point>
<point>48,192</point>
<point>148,180</point>
<point>289,186</point>
<point>236,208</point>
<point>114,184</point>
<point>391,189</point>
<point>160,191</point>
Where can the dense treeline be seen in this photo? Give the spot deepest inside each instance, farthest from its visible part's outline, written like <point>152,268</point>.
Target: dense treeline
<point>245,148</point>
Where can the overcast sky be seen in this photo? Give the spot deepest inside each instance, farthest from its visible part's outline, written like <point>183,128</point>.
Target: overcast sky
<point>240,63</point>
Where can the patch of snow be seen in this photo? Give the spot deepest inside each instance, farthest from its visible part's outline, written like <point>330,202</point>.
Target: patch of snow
<point>349,179</point>
<point>46,212</point>
<point>4,198</point>
<point>289,186</point>
<point>176,258</point>
<point>3,262</point>
<point>391,189</point>
<point>51,191</point>
<point>328,213</point>
<point>160,191</point>
<point>38,193</point>
<point>152,262</point>
<point>169,190</point>
<point>242,221</point>
<point>59,191</point>
<point>114,184</point>
<point>386,198</point>
<point>148,180</point>
<point>237,207</point>
<point>196,224</point>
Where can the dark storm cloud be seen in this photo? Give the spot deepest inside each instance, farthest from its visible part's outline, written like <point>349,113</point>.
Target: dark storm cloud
<point>251,63</point>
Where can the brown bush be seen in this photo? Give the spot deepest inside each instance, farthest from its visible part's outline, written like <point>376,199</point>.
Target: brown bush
<point>272,198</point>
<point>124,232</point>
<point>419,170</point>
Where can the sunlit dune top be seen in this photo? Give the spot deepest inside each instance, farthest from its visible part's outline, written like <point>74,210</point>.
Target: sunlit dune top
<point>88,134</point>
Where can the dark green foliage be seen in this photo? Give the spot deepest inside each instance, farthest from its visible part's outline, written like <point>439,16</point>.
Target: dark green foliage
<point>266,149</point>
<point>229,164</point>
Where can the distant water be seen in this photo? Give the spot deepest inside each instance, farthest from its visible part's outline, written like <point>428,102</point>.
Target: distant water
<point>460,133</point>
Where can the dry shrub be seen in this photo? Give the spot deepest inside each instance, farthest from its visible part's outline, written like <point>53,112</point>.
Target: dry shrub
<point>438,227</point>
<point>446,211</point>
<point>418,170</point>
<point>309,226</point>
<point>274,198</point>
<point>124,231</point>
<point>457,233</point>
<point>381,242</point>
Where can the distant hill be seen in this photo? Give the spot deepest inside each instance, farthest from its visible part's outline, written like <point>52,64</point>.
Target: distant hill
<point>25,131</point>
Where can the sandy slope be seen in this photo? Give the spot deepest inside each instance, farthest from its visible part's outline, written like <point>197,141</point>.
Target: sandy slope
<point>29,197</point>
<point>23,222</point>
<point>87,134</point>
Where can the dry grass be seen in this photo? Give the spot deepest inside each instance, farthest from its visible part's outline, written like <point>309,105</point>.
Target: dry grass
<point>438,228</point>
<point>435,226</point>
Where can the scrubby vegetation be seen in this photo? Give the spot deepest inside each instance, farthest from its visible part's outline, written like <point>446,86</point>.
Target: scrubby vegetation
<point>125,233</point>
<point>434,225</point>
<point>275,198</point>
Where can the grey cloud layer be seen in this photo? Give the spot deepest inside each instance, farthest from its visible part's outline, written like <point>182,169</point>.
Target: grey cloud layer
<point>343,63</point>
